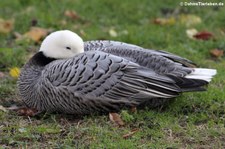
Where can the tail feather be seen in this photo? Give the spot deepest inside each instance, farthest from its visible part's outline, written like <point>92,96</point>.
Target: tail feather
<point>202,74</point>
<point>188,85</point>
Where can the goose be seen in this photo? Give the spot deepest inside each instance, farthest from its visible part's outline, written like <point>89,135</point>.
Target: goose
<point>71,76</point>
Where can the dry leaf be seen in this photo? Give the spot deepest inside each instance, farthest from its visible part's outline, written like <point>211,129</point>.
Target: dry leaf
<point>17,35</point>
<point>82,33</point>
<point>13,107</point>
<point>63,22</point>
<point>2,74</point>
<point>6,26</point>
<point>191,33</point>
<point>216,53</point>
<point>189,20</point>
<point>14,72</point>
<point>204,35</point>
<point>36,33</point>
<point>133,109</point>
<point>27,112</point>
<point>165,21</point>
<point>131,133</point>
<point>113,33</point>
<point>71,14</point>
<point>3,108</point>
<point>115,118</point>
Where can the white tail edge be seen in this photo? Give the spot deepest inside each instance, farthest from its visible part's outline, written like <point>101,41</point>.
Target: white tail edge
<point>202,74</point>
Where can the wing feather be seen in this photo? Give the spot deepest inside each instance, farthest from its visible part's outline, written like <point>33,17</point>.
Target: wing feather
<point>160,61</point>
<point>102,75</point>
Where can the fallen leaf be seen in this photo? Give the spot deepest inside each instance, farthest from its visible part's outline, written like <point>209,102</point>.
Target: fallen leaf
<point>17,35</point>
<point>115,118</point>
<point>14,72</point>
<point>13,107</point>
<point>189,20</point>
<point>191,33</point>
<point>2,74</point>
<point>133,109</point>
<point>216,53</point>
<point>204,35</point>
<point>27,111</point>
<point>71,14</point>
<point>165,21</point>
<point>63,22</point>
<point>6,26</point>
<point>82,33</point>
<point>113,33</point>
<point>3,108</point>
<point>131,133</point>
<point>36,33</point>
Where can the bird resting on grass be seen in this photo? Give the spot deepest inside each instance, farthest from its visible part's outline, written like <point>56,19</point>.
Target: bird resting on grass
<point>75,77</point>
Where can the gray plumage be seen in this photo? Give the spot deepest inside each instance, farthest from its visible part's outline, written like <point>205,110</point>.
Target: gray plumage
<point>108,76</point>
<point>84,83</point>
<point>160,61</point>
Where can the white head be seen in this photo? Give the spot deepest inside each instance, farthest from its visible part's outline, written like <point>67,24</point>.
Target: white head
<point>62,44</point>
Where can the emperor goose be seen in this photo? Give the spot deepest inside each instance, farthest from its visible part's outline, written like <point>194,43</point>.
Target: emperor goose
<point>71,76</point>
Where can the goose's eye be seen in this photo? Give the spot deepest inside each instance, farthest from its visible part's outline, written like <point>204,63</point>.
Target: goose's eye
<point>68,48</point>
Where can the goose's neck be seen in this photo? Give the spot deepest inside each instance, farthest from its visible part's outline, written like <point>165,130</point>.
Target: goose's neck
<point>30,77</point>
<point>40,59</point>
<point>32,70</point>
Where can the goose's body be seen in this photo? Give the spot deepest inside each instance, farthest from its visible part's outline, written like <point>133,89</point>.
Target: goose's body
<point>69,76</point>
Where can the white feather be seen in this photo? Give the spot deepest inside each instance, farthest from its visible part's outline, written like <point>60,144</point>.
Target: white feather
<point>202,74</point>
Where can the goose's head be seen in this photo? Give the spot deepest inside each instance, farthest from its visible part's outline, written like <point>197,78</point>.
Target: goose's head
<point>62,44</point>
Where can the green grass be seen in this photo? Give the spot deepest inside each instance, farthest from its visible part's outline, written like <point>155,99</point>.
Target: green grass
<point>194,120</point>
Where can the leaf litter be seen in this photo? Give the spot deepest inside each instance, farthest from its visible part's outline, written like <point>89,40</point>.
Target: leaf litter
<point>202,35</point>
<point>14,72</point>
<point>131,133</point>
<point>216,53</point>
<point>71,14</point>
<point>35,34</point>
<point>6,26</point>
<point>186,19</point>
<point>116,119</point>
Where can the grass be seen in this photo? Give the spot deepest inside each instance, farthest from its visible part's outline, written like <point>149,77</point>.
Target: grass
<point>194,120</point>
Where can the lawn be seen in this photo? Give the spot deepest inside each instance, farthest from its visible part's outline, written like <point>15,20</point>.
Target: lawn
<point>193,120</point>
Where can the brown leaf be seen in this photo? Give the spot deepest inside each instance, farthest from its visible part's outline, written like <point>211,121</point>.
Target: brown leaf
<point>2,74</point>
<point>133,109</point>
<point>204,35</point>
<point>131,133</point>
<point>27,111</point>
<point>6,26</point>
<point>216,53</point>
<point>35,34</point>
<point>165,21</point>
<point>115,118</point>
<point>17,35</point>
<point>71,14</point>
